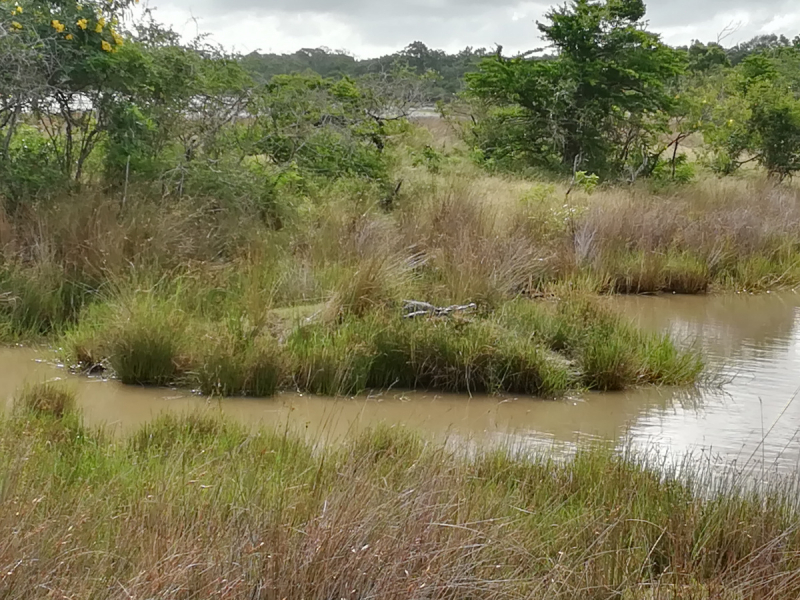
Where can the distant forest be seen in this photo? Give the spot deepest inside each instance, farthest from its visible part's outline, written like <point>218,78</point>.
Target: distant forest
<point>447,71</point>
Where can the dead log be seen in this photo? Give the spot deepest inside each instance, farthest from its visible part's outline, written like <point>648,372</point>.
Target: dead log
<point>415,308</point>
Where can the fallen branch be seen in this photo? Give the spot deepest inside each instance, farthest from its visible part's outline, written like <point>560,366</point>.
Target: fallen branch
<point>414,309</point>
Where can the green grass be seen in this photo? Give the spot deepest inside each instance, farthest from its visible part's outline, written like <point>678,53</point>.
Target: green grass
<point>144,345</point>
<point>656,272</point>
<point>38,302</point>
<point>534,348</point>
<point>196,507</point>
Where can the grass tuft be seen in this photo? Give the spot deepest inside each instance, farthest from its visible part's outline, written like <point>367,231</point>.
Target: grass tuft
<point>47,399</point>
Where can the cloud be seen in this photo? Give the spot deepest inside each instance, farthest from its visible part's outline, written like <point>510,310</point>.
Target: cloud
<point>374,27</point>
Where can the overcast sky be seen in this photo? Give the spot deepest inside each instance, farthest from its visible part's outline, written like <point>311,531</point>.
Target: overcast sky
<point>369,28</point>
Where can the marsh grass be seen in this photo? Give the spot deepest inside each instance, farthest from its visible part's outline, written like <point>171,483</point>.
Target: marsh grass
<point>197,293</point>
<point>38,302</point>
<point>195,507</point>
<point>46,399</point>
<point>543,348</point>
<point>227,366</point>
<point>145,343</point>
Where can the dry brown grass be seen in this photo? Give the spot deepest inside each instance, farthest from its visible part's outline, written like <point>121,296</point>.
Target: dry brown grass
<point>454,236</point>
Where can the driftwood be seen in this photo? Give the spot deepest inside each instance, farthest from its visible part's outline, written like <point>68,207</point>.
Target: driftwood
<point>414,309</point>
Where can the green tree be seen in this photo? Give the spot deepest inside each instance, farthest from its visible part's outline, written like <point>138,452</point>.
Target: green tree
<point>598,103</point>
<point>323,126</point>
<point>756,115</point>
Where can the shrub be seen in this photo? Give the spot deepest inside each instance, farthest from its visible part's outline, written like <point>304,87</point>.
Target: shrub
<point>31,170</point>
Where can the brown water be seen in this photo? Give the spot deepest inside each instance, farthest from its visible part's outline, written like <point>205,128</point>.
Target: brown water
<point>753,342</point>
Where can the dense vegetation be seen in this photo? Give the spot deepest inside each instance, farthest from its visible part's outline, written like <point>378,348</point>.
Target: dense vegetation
<point>174,219</point>
<point>443,73</point>
<point>195,507</point>
<point>174,215</point>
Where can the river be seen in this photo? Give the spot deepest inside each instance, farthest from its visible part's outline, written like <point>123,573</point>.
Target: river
<point>751,416</point>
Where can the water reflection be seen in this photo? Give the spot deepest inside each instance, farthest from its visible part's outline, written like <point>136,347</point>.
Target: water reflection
<point>754,342</point>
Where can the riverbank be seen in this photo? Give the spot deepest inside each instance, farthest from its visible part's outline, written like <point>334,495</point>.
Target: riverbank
<point>198,507</point>
<point>223,299</point>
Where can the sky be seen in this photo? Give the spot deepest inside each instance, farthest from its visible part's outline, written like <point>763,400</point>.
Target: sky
<point>367,28</point>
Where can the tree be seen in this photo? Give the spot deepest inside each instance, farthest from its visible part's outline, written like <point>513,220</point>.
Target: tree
<point>756,115</point>
<point>599,101</point>
<point>74,46</point>
<point>705,57</point>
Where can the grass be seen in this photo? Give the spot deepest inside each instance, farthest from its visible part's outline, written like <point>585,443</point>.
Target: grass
<point>46,399</point>
<point>193,507</point>
<point>543,348</point>
<point>210,295</point>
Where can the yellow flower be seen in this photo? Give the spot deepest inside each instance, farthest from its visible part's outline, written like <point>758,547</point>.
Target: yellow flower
<point>105,46</point>
<point>79,7</point>
<point>117,38</point>
<point>57,25</point>
<point>98,28</point>
<point>68,36</point>
<point>17,10</point>
<point>101,21</point>
<point>16,25</point>
<point>82,23</point>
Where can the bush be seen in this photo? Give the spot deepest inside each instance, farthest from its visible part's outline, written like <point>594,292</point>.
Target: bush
<point>680,172</point>
<point>31,170</point>
<point>246,187</point>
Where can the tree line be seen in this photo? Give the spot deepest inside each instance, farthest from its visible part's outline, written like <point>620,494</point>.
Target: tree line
<point>89,94</point>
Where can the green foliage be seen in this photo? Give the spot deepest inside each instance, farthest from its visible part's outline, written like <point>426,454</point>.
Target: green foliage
<point>705,57</point>
<point>447,69</point>
<point>587,182</point>
<point>775,121</point>
<point>322,126</point>
<point>249,187</point>
<point>757,116</point>
<point>429,157</point>
<point>677,170</point>
<point>130,146</point>
<point>596,101</point>
<point>30,169</point>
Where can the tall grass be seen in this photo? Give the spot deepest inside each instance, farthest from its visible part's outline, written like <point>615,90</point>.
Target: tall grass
<point>46,399</point>
<point>195,507</point>
<point>543,348</point>
<point>193,292</point>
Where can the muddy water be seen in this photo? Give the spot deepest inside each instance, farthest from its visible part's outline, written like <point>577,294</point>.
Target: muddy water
<point>752,342</point>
